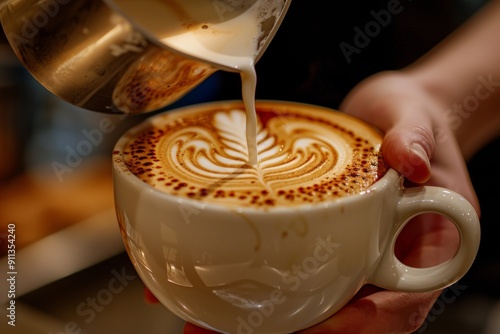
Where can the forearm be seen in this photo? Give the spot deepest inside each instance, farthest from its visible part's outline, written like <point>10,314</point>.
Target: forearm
<point>463,72</point>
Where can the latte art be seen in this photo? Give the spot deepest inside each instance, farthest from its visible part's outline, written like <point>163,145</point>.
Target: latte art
<point>304,156</point>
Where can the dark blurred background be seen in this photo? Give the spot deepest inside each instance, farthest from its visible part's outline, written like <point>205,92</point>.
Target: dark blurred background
<point>303,63</point>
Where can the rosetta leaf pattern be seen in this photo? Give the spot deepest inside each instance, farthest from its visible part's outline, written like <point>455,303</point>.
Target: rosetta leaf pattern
<point>231,127</point>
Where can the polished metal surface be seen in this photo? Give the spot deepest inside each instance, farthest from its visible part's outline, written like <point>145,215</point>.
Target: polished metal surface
<point>88,54</point>
<point>85,53</point>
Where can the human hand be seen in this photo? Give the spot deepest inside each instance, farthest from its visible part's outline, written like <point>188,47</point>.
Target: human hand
<point>420,145</point>
<point>418,141</point>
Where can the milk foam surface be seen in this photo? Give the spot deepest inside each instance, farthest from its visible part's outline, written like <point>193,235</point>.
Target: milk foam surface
<point>305,156</point>
<point>223,32</point>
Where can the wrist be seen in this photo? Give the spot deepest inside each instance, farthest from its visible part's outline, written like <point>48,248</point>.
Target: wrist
<point>469,108</point>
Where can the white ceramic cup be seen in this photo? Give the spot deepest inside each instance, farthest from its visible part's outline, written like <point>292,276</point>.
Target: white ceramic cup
<point>279,270</point>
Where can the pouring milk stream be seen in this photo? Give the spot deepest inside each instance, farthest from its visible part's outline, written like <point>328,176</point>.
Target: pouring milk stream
<point>228,34</point>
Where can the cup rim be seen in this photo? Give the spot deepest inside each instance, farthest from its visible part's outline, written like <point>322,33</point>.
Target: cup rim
<point>119,167</point>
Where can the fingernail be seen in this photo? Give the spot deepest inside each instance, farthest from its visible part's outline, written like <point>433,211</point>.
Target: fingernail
<point>419,151</point>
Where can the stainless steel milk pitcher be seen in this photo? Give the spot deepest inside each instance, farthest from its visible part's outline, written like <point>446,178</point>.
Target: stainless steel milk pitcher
<point>96,56</point>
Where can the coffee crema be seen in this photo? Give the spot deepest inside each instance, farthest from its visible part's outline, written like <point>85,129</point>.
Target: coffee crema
<point>306,155</point>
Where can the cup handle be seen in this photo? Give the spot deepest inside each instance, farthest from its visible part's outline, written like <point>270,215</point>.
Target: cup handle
<point>392,274</point>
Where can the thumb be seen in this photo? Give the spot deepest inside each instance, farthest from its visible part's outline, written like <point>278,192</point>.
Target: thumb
<point>408,148</point>
<point>408,143</point>
<point>398,107</point>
